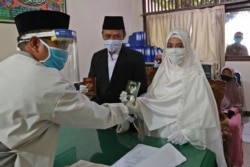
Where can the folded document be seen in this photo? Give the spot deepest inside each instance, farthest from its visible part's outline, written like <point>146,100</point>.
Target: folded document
<point>83,163</point>
<point>147,156</point>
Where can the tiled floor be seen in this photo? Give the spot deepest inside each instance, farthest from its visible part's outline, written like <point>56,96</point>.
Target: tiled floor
<point>246,141</point>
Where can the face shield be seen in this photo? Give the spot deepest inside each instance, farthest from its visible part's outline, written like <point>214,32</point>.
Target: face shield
<point>65,40</point>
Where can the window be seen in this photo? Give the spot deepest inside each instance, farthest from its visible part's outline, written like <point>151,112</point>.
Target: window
<point>159,6</point>
<point>237,21</point>
<point>236,11</point>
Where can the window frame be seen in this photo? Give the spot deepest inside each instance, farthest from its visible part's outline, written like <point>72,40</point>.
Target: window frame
<point>230,6</point>
<point>237,7</point>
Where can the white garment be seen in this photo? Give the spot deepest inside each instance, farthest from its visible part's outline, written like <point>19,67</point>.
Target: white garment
<point>180,98</point>
<point>35,101</point>
<point>112,59</point>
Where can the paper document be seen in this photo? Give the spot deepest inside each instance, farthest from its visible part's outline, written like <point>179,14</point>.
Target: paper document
<point>134,156</point>
<point>166,156</point>
<point>83,163</point>
<point>147,156</point>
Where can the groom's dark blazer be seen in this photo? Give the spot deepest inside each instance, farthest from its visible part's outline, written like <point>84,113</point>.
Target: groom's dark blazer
<point>130,65</point>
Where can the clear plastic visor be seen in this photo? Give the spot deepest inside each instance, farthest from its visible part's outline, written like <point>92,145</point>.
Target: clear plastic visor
<point>62,39</point>
<point>64,45</point>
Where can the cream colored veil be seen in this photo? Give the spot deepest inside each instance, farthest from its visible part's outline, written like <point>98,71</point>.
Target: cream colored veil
<point>164,95</point>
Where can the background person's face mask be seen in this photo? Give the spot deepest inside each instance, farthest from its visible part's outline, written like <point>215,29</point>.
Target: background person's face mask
<point>113,45</point>
<point>226,78</point>
<point>56,58</point>
<point>176,55</point>
<point>237,40</point>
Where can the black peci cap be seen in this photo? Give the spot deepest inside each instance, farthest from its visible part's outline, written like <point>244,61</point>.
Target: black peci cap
<point>41,19</point>
<point>113,23</point>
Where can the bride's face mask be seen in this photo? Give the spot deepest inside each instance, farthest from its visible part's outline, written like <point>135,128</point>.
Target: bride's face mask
<point>175,50</point>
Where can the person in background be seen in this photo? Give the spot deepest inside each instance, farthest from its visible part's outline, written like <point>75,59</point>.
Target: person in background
<point>232,104</point>
<point>179,104</point>
<point>35,98</point>
<point>237,49</point>
<point>115,65</point>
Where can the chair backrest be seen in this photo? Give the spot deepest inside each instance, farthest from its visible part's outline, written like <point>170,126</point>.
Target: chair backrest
<point>150,72</point>
<point>219,88</point>
<point>237,77</point>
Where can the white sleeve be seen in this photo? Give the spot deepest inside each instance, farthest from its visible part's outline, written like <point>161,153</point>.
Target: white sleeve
<point>75,109</point>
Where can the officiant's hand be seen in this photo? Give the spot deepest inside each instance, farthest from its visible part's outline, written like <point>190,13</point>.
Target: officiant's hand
<point>83,89</point>
<point>124,127</point>
<point>124,97</point>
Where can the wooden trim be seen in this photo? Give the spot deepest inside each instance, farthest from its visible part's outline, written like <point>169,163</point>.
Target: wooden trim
<point>232,5</point>
<point>144,17</point>
<point>237,58</point>
<point>176,10</point>
<point>238,4</point>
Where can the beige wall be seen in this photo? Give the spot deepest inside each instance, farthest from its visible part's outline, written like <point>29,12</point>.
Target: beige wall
<point>8,36</point>
<point>86,18</point>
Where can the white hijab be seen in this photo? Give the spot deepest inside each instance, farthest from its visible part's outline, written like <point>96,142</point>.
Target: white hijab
<point>181,95</point>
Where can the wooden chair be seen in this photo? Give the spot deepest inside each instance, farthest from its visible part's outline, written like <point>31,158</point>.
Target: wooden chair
<point>218,88</point>
<point>150,72</point>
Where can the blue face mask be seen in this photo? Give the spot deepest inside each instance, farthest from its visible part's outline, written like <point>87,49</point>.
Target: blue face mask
<point>56,58</point>
<point>237,40</point>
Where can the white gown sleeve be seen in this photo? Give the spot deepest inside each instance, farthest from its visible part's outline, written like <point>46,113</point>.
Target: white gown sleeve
<point>75,109</point>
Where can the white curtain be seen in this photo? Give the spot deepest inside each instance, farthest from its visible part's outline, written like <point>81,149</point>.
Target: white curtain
<point>159,25</point>
<point>208,35</point>
<point>206,26</point>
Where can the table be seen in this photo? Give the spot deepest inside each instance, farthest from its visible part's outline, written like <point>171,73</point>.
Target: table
<point>106,147</point>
